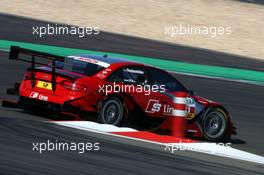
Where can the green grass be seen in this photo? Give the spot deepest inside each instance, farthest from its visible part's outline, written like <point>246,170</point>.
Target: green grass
<point>176,66</point>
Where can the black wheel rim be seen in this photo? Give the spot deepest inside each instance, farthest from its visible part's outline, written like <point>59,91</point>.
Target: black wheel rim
<point>111,112</point>
<point>214,124</point>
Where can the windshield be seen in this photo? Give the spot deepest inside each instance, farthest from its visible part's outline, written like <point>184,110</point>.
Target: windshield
<point>163,78</point>
<point>78,66</point>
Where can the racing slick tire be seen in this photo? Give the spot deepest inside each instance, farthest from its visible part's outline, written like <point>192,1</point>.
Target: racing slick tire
<point>215,125</point>
<point>111,111</point>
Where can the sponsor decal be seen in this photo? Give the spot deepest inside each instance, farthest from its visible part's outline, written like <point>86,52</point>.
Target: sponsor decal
<point>153,106</point>
<point>36,95</point>
<point>44,85</point>
<point>129,81</point>
<point>190,108</point>
<point>90,60</point>
<point>104,73</point>
<point>101,75</point>
<point>134,71</point>
<point>169,110</point>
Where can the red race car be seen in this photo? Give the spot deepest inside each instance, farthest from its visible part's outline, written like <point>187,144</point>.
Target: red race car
<point>116,91</point>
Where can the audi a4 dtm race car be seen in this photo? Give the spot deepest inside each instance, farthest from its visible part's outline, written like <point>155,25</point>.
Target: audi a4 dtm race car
<point>115,91</point>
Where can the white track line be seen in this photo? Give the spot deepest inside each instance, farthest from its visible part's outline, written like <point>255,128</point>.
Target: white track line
<point>94,126</point>
<point>5,50</point>
<point>208,148</point>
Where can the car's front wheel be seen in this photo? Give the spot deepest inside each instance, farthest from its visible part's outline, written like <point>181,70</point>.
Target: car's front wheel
<point>215,125</point>
<point>111,111</point>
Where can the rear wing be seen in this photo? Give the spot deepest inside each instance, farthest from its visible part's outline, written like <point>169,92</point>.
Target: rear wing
<point>15,53</point>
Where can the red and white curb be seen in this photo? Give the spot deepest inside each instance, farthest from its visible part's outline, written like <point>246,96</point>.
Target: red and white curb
<point>171,144</point>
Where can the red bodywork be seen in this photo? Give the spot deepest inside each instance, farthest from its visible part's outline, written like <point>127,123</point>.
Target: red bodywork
<point>87,97</point>
<point>76,92</point>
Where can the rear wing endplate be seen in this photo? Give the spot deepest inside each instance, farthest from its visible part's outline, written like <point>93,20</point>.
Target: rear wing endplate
<point>15,52</point>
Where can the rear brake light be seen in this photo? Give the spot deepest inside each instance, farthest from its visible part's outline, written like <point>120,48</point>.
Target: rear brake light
<point>73,86</point>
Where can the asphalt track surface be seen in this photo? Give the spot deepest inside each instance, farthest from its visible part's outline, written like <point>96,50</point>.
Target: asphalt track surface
<point>120,156</point>
<point>20,29</point>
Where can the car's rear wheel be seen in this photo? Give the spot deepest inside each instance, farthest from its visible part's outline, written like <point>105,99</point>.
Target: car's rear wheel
<point>111,111</point>
<point>215,125</point>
